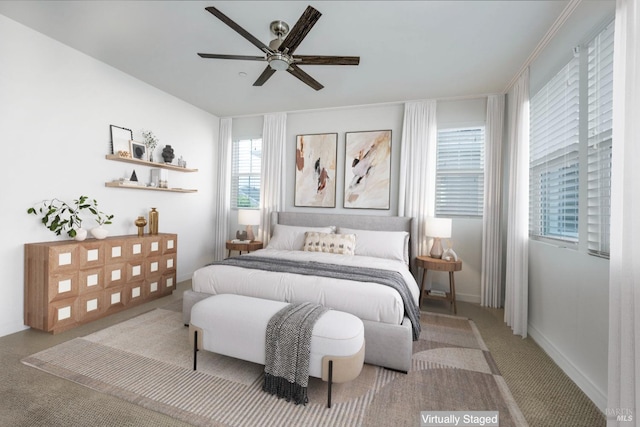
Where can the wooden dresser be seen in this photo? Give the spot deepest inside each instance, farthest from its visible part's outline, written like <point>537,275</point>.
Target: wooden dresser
<point>68,283</point>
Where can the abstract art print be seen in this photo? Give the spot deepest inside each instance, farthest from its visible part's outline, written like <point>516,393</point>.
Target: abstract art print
<point>367,172</point>
<point>316,170</point>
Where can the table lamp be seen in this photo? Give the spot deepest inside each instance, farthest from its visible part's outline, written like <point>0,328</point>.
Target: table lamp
<point>438,228</point>
<point>249,217</point>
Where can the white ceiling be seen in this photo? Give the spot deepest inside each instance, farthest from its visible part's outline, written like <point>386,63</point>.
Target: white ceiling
<point>408,49</point>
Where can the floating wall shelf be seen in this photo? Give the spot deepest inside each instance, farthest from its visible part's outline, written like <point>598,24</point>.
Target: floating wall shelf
<point>120,184</point>
<point>117,184</point>
<point>150,164</point>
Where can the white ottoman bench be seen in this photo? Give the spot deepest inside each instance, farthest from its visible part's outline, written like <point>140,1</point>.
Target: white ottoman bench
<point>235,325</point>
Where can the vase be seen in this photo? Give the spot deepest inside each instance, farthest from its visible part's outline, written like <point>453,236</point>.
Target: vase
<point>140,223</point>
<point>167,154</point>
<point>450,255</point>
<point>153,221</point>
<point>99,232</point>
<point>81,234</point>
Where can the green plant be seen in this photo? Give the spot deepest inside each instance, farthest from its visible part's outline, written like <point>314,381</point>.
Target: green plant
<point>100,217</point>
<point>59,216</point>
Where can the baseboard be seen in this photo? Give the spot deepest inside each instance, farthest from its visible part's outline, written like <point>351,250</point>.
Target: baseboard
<point>12,329</point>
<point>468,298</point>
<point>597,396</point>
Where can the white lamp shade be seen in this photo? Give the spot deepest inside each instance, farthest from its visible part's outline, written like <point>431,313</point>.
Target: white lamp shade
<point>438,227</point>
<point>249,216</point>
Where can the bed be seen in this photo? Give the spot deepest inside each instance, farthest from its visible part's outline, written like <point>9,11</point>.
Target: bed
<point>345,283</point>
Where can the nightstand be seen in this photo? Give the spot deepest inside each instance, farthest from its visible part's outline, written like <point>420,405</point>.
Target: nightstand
<point>243,247</point>
<point>435,264</point>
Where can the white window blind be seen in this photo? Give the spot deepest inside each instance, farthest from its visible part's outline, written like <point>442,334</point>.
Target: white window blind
<point>600,108</point>
<point>460,172</point>
<point>553,160</point>
<point>246,157</point>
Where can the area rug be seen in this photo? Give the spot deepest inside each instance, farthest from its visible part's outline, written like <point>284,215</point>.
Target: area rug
<point>148,361</point>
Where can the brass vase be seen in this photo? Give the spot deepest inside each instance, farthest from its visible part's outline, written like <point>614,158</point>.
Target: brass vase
<point>153,221</point>
<point>140,223</point>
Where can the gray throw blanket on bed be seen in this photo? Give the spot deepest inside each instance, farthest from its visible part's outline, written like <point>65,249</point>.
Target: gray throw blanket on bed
<point>288,349</point>
<point>362,274</point>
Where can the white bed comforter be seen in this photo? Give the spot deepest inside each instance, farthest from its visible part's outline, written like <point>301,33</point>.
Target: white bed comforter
<point>368,301</point>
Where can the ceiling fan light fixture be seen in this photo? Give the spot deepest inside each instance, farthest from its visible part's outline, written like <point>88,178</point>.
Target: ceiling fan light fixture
<point>278,62</point>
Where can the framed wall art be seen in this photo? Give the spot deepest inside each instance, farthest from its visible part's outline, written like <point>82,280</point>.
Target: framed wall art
<point>138,150</point>
<point>367,172</point>
<point>316,170</point>
<point>120,138</point>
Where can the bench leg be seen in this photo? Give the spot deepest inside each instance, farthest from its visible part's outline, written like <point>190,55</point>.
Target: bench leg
<point>330,383</point>
<point>195,349</point>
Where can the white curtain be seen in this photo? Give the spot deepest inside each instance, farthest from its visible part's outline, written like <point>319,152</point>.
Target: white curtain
<point>624,264</point>
<point>491,273</point>
<point>274,137</point>
<point>418,169</point>
<point>517,282</point>
<point>223,205</point>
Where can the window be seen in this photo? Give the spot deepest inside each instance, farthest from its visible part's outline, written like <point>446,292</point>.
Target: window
<point>553,157</point>
<point>460,172</point>
<point>570,150</point>
<point>600,111</point>
<point>246,156</point>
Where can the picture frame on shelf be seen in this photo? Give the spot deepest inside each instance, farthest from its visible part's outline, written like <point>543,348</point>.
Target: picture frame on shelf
<point>138,150</point>
<point>120,138</point>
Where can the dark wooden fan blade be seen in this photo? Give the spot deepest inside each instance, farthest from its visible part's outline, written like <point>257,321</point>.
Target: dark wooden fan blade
<point>244,33</point>
<point>243,57</point>
<point>326,60</point>
<point>306,78</point>
<point>268,72</point>
<point>300,30</point>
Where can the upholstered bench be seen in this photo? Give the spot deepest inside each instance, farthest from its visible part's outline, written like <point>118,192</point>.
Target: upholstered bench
<point>235,325</point>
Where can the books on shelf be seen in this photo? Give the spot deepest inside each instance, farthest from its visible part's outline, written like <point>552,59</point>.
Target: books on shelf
<point>438,293</point>
<point>240,241</point>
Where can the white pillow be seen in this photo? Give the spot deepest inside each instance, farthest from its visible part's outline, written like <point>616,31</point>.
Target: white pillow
<point>291,238</point>
<point>380,244</point>
<point>343,244</point>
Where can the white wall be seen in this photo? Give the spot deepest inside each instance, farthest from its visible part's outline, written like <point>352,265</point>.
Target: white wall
<point>56,105</point>
<point>568,289</point>
<point>467,232</point>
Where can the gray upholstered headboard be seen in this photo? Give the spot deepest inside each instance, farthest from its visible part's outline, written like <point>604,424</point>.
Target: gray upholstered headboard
<point>362,222</point>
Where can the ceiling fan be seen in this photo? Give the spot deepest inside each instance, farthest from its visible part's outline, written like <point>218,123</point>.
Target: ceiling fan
<point>279,52</point>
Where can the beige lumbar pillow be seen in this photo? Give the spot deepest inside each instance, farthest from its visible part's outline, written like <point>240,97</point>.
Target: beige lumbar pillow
<point>344,244</point>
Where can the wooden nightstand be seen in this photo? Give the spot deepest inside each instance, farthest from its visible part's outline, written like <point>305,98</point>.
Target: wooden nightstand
<point>240,247</point>
<point>428,263</point>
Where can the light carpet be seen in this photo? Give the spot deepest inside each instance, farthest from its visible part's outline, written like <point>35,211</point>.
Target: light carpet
<point>148,361</point>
